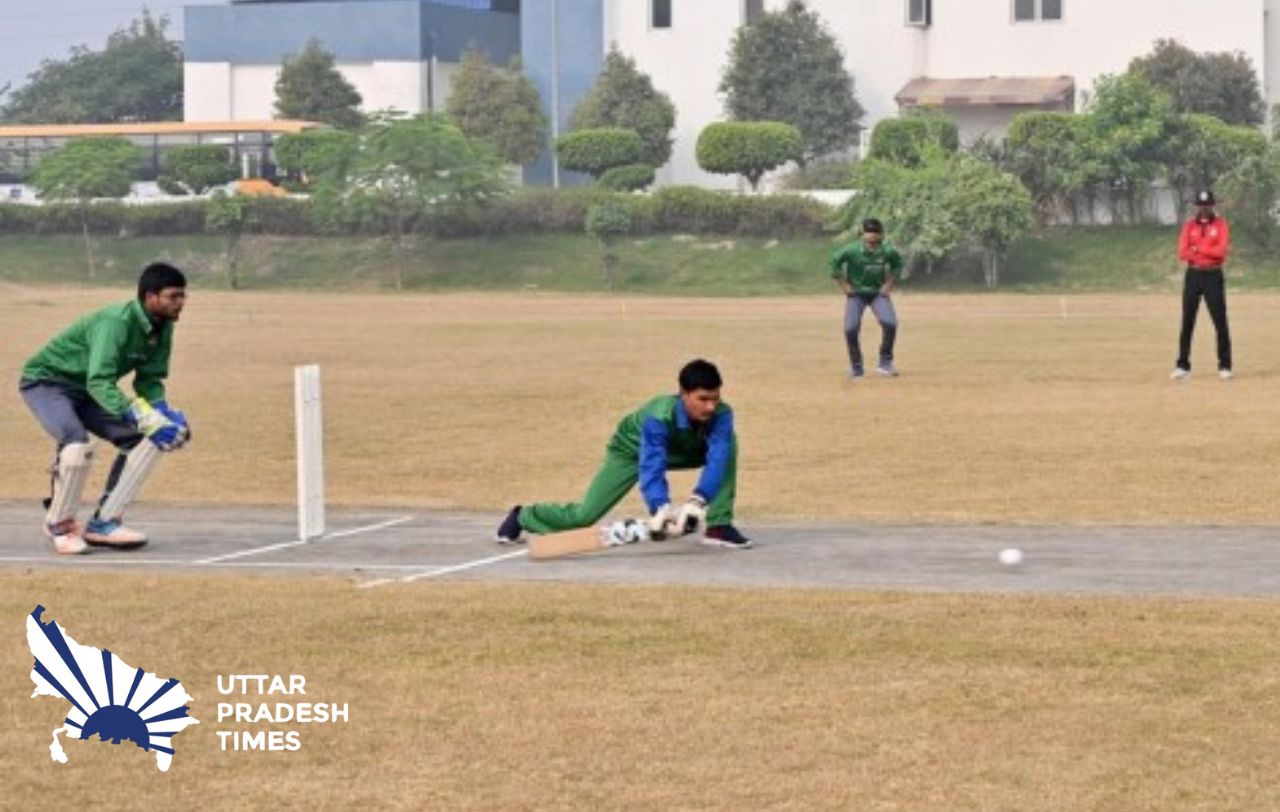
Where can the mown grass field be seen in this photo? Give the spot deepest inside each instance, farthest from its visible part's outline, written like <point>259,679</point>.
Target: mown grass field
<point>1006,410</point>
<point>1011,409</point>
<point>506,697</point>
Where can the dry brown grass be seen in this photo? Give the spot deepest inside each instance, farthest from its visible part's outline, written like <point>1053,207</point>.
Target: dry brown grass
<point>1006,411</point>
<point>485,697</point>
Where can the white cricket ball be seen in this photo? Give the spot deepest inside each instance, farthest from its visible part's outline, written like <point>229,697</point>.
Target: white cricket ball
<point>1011,556</point>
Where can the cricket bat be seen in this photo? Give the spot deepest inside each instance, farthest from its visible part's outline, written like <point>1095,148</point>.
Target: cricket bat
<point>592,539</point>
<point>569,542</point>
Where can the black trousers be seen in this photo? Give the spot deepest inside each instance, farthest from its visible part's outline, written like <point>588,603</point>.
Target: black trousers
<point>1208,285</point>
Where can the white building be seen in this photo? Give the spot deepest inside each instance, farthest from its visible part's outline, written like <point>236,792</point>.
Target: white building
<point>1036,47</point>
<point>983,61</point>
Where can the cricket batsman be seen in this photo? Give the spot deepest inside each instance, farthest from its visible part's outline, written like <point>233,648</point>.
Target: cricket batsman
<point>71,386</point>
<point>691,429</point>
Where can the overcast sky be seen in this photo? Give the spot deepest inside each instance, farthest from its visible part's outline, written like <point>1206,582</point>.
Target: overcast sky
<point>34,30</point>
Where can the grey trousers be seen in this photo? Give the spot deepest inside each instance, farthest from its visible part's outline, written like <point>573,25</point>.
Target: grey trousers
<point>882,308</point>
<point>69,415</point>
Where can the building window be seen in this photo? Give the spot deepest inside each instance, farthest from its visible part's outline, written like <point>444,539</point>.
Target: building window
<point>919,12</point>
<point>660,16</point>
<point>1031,10</point>
<point>751,11</point>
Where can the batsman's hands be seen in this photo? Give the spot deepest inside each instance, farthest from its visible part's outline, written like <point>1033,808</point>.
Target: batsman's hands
<point>155,426</point>
<point>662,523</point>
<point>692,516</point>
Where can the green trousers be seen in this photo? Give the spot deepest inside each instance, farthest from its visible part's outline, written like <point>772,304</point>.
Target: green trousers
<point>612,482</point>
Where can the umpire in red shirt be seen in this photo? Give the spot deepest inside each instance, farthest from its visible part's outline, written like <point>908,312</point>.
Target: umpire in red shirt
<point>1203,246</point>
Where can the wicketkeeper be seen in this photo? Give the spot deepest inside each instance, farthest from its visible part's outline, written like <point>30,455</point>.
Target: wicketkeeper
<point>71,387</point>
<point>692,429</point>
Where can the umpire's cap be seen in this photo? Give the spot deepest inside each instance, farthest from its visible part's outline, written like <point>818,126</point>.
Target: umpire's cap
<point>872,226</point>
<point>1204,197</point>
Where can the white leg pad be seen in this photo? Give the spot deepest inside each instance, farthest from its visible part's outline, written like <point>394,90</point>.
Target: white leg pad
<point>137,468</point>
<point>74,462</point>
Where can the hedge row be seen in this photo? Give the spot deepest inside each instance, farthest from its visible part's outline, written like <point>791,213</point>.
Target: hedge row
<point>669,210</point>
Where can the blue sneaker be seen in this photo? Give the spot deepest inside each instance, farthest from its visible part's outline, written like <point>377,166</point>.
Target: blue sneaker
<point>510,531</point>
<point>112,533</point>
<point>857,372</point>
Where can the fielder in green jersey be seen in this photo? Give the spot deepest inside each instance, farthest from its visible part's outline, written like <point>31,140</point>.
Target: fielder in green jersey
<point>692,429</point>
<point>865,271</point>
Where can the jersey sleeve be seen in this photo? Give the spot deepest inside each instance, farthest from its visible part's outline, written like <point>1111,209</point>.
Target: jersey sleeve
<point>148,381</point>
<point>719,452</point>
<point>653,463</point>
<point>106,339</point>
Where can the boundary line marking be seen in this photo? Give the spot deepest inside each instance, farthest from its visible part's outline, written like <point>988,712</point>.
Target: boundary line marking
<point>480,562</point>
<point>217,559</point>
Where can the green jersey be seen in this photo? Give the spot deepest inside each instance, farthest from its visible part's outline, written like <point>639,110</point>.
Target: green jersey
<point>101,348</point>
<point>660,436</point>
<point>864,269</point>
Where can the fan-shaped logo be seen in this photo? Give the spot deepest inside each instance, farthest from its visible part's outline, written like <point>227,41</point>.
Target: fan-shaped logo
<point>109,698</point>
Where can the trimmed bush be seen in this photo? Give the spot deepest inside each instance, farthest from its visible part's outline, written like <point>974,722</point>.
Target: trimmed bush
<point>748,148</point>
<point>906,141</point>
<point>599,150</point>
<point>630,178</point>
<point>195,169</point>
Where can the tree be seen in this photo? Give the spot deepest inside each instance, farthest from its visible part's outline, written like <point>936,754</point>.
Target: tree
<point>1251,193</point>
<point>311,88</point>
<point>1056,157</point>
<point>913,203</point>
<point>136,77</point>
<point>627,178</point>
<point>405,174</point>
<point>1204,149</point>
<point>308,156</point>
<point>1224,85</point>
<point>597,151</point>
<point>992,208</point>
<point>607,221</point>
<point>915,138</point>
<point>1133,123</point>
<point>624,97</point>
<point>195,169</point>
<point>228,215</point>
<point>499,106</point>
<point>85,169</point>
<point>747,148</point>
<point>786,66</point>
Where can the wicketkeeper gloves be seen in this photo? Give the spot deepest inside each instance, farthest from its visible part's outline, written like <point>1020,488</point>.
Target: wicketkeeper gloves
<point>157,423</point>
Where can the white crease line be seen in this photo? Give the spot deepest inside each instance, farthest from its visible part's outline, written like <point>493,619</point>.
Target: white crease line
<point>186,562</point>
<point>444,570</point>
<point>284,544</point>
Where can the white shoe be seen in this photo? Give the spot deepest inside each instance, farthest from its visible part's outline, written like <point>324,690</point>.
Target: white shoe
<point>1225,374</point>
<point>66,538</point>
<point>1179,374</point>
<point>112,533</point>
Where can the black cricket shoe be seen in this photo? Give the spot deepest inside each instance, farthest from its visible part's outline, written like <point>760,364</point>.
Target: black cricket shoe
<point>726,535</point>
<point>510,531</point>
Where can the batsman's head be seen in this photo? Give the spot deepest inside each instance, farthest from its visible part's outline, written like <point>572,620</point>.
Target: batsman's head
<point>872,232</point>
<point>700,389</point>
<point>162,290</point>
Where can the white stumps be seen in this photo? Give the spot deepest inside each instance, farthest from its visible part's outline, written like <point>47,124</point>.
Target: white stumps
<point>310,435</point>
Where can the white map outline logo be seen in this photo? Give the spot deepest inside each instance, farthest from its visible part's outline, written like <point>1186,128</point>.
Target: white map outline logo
<point>108,697</point>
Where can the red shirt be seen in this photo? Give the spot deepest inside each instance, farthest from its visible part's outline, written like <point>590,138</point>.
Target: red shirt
<point>1204,243</point>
